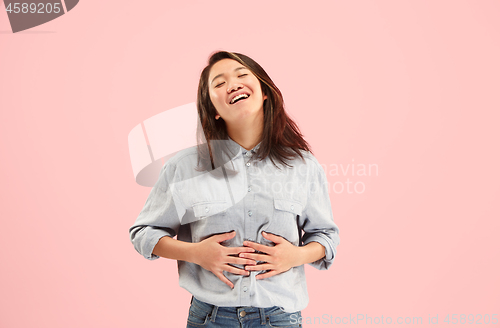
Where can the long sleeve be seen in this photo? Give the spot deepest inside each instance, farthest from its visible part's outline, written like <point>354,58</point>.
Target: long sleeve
<point>317,219</point>
<point>160,216</point>
<point>291,202</point>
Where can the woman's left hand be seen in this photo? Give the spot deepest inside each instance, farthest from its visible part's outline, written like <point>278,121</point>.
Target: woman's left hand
<point>279,258</point>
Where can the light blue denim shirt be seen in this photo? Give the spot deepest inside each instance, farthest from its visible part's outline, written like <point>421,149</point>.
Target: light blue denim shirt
<point>248,196</point>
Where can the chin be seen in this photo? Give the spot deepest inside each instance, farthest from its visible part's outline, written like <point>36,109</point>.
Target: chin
<point>244,115</point>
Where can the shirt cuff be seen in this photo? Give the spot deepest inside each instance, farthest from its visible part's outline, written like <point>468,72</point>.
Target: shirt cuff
<point>150,241</point>
<point>325,262</point>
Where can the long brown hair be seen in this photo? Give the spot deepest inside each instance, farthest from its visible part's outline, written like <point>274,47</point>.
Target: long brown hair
<point>281,137</point>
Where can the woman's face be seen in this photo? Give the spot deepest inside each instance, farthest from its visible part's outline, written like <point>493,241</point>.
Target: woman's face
<point>229,79</point>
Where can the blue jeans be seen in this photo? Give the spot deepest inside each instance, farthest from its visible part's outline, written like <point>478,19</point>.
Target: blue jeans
<point>202,314</point>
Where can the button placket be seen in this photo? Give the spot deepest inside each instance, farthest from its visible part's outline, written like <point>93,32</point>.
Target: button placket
<point>248,223</point>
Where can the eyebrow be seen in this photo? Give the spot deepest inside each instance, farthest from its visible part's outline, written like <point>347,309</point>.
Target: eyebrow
<point>236,69</point>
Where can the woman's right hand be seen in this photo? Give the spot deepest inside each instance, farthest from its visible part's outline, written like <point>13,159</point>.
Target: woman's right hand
<point>214,257</point>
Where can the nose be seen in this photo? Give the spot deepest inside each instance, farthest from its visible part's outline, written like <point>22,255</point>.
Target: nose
<point>233,87</point>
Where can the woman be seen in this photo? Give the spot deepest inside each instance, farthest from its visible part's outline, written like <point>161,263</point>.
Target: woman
<point>250,206</point>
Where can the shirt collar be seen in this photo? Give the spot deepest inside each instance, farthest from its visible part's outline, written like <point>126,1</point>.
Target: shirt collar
<point>242,149</point>
<point>234,154</point>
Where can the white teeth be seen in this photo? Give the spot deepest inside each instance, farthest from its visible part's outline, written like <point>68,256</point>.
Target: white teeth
<point>243,95</point>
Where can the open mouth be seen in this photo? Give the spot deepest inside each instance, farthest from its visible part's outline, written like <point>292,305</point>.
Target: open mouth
<point>239,98</point>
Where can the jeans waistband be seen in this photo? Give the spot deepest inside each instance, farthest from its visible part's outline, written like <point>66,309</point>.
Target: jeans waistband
<point>239,312</point>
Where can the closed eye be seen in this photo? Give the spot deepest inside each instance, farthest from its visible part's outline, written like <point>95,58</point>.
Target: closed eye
<point>218,85</point>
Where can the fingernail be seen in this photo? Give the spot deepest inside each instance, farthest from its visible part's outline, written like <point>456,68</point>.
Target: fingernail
<point>265,233</point>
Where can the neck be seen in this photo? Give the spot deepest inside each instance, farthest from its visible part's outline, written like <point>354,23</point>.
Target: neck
<point>247,134</point>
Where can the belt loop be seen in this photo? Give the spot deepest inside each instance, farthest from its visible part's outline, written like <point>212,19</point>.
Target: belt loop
<point>214,313</point>
<point>191,302</point>
<point>262,313</point>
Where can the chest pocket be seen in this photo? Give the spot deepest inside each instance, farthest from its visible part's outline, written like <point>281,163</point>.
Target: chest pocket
<point>210,219</point>
<point>284,222</point>
<point>286,205</point>
<point>205,209</point>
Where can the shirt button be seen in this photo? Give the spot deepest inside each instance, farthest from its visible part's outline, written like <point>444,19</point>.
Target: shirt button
<point>245,288</point>
<point>242,314</point>
<point>291,207</point>
<point>248,164</point>
<point>248,154</point>
<point>206,209</point>
<point>249,213</point>
<point>249,189</point>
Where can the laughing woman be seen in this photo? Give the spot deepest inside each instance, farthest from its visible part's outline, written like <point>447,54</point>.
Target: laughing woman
<point>249,205</point>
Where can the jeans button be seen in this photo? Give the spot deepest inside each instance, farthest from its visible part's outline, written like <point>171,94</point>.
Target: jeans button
<point>242,314</point>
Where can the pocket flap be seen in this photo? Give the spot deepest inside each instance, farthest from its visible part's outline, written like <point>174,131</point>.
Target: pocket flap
<point>288,205</point>
<point>209,208</point>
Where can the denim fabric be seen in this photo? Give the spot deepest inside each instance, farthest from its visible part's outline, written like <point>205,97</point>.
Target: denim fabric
<point>203,314</point>
<point>249,196</point>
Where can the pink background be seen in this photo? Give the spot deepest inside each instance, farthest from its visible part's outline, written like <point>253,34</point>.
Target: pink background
<point>411,86</point>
